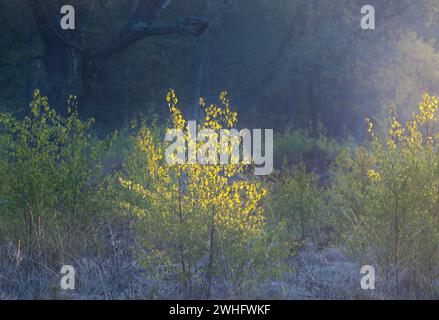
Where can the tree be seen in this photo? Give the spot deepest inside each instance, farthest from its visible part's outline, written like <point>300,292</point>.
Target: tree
<point>67,57</point>
<point>199,220</point>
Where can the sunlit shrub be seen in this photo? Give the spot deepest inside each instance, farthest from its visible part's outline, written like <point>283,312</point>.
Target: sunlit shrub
<point>386,201</point>
<point>51,173</point>
<point>199,222</point>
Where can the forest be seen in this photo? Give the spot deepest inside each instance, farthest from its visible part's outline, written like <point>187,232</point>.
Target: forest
<point>349,209</point>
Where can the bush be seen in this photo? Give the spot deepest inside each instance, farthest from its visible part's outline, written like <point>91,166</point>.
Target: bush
<point>201,222</point>
<point>51,173</point>
<point>291,145</point>
<point>386,202</point>
<point>316,150</point>
<point>298,200</point>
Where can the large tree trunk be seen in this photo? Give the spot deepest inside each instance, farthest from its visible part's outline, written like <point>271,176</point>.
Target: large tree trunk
<point>68,64</point>
<point>57,57</point>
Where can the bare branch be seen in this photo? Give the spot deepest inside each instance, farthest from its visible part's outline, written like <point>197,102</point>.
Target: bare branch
<point>193,26</point>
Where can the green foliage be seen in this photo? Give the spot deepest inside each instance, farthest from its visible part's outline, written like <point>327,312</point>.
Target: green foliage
<point>298,200</point>
<point>51,171</point>
<point>386,201</point>
<point>293,146</point>
<point>201,221</point>
<point>214,228</point>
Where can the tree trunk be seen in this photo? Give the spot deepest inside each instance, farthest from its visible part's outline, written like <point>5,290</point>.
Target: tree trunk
<point>65,58</point>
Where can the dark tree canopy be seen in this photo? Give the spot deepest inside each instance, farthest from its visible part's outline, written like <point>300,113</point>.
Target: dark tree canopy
<point>309,61</point>
<point>67,56</point>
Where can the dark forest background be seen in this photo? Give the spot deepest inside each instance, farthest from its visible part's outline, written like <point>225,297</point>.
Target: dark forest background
<point>283,62</point>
